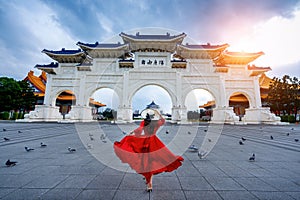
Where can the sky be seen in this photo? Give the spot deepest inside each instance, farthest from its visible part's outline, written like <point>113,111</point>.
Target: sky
<point>28,27</point>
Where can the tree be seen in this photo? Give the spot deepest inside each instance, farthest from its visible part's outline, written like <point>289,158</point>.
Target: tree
<point>284,95</point>
<point>15,95</point>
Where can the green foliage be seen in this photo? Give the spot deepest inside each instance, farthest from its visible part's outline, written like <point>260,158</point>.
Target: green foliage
<point>5,115</point>
<point>288,118</point>
<point>284,95</point>
<point>109,113</point>
<point>15,115</point>
<point>16,95</point>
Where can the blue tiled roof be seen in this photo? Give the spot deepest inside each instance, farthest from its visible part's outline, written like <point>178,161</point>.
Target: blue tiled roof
<point>167,36</point>
<point>100,45</point>
<point>51,65</point>
<point>63,51</point>
<point>204,46</point>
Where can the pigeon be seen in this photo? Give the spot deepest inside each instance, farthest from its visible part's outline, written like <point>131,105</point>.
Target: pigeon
<point>6,139</point>
<point>287,134</point>
<point>252,158</point>
<point>189,133</point>
<point>28,149</point>
<point>292,129</point>
<point>19,131</point>
<point>124,133</point>
<point>43,145</point>
<point>91,138</point>
<point>205,130</point>
<point>102,136</point>
<point>241,142</point>
<point>296,140</point>
<point>271,137</point>
<point>10,163</point>
<point>4,129</point>
<point>209,140</point>
<point>244,139</point>
<point>71,149</point>
<point>193,148</point>
<point>90,146</point>
<point>167,131</point>
<point>201,154</point>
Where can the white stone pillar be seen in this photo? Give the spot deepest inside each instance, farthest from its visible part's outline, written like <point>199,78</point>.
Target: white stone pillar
<point>47,100</point>
<point>257,96</point>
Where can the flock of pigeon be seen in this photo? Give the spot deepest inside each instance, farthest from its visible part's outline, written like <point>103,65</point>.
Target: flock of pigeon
<point>10,163</point>
<point>201,155</point>
<point>103,137</point>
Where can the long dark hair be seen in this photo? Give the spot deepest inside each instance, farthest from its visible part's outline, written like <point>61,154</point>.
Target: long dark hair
<point>149,125</point>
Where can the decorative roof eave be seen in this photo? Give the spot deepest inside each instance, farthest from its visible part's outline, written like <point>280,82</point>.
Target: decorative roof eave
<point>36,81</point>
<point>237,58</point>
<point>255,71</point>
<point>265,81</point>
<point>66,56</point>
<point>152,38</point>
<point>153,42</point>
<point>105,50</point>
<point>126,63</point>
<point>49,68</point>
<point>221,68</point>
<point>178,63</point>
<point>200,51</point>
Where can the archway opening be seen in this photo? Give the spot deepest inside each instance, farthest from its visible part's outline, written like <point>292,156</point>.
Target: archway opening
<point>200,104</point>
<point>64,101</point>
<point>104,103</point>
<point>152,96</point>
<point>240,103</point>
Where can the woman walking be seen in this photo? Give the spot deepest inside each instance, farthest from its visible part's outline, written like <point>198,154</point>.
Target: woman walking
<point>144,151</point>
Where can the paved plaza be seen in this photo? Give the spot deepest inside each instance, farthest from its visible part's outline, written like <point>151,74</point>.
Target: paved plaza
<point>53,172</point>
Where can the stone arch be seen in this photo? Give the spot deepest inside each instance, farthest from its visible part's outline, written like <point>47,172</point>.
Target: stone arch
<point>93,90</point>
<point>246,93</point>
<point>57,92</point>
<point>170,92</point>
<point>211,90</point>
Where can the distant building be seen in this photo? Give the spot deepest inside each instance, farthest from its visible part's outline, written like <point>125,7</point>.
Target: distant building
<point>152,105</point>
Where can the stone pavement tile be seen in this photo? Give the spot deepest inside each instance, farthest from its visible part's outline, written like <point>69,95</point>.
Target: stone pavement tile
<point>207,195</point>
<point>283,184</point>
<point>105,182</point>
<point>260,172</point>
<point>237,195</point>
<point>76,181</point>
<point>24,194</point>
<point>194,183</point>
<point>188,169</point>
<point>208,169</point>
<point>5,191</point>
<point>133,181</point>
<point>285,173</point>
<point>46,181</point>
<point>224,183</point>
<point>42,170</point>
<point>15,181</point>
<point>295,195</point>
<point>167,195</point>
<point>110,171</point>
<point>245,164</point>
<point>140,194</point>
<point>272,195</point>
<point>165,183</point>
<point>61,194</point>
<point>254,184</point>
<point>20,168</point>
<point>96,194</point>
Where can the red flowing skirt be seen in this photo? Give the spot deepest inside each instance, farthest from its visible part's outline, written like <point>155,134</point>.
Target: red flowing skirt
<point>147,155</point>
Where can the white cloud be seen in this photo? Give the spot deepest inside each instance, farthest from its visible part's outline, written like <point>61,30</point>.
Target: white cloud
<point>277,37</point>
<point>35,27</point>
<point>105,23</point>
